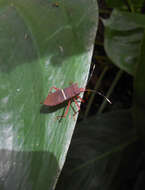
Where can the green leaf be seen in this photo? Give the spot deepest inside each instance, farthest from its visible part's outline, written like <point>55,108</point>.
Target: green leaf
<point>95,152</point>
<point>123,34</point>
<point>42,44</point>
<point>139,92</point>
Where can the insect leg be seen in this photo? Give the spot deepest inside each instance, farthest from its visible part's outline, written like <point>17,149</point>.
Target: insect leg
<point>65,114</point>
<point>80,99</point>
<point>75,112</point>
<point>76,103</point>
<point>61,116</point>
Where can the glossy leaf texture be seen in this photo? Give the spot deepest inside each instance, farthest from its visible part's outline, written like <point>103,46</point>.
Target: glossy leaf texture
<point>43,43</point>
<point>96,150</point>
<point>123,35</point>
<point>139,92</point>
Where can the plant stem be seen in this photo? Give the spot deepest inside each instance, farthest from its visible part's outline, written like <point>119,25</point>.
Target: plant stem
<point>103,11</point>
<point>99,57</point>
<point>99,43</point>
<point>131,7</point>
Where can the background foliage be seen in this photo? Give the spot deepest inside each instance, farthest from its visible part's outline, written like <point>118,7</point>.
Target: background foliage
<point>107,150</point>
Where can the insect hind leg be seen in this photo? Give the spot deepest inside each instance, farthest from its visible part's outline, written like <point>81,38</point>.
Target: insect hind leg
<point>76,103</point>
<point>78,97</point>
<point>67,109</point>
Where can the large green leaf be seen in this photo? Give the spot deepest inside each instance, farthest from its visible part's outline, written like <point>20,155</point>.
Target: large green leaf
<point>123,34</point>
<point>139,92</point>
<point>42,44</point>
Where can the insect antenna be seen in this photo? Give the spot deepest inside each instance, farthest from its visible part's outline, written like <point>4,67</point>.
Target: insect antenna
<point>89,90</point>
<point>90,76</point>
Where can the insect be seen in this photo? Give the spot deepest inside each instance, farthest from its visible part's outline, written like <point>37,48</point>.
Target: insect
<point>69,94</point>
<point>61,96</point>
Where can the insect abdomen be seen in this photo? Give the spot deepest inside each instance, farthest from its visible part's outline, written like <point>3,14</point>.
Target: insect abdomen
<point>71,91</point>
<point>61,95</point>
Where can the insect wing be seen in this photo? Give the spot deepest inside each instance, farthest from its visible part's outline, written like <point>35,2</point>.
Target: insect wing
<point>54,99</point>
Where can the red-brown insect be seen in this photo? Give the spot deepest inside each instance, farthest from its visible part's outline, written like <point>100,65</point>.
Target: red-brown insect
<point>61,96</point>
<point>68,94</point>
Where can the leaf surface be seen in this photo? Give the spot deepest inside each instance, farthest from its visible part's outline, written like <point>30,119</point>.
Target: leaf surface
<point>139,91</point>
<point>42,44</point>
<point>123,35</point>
